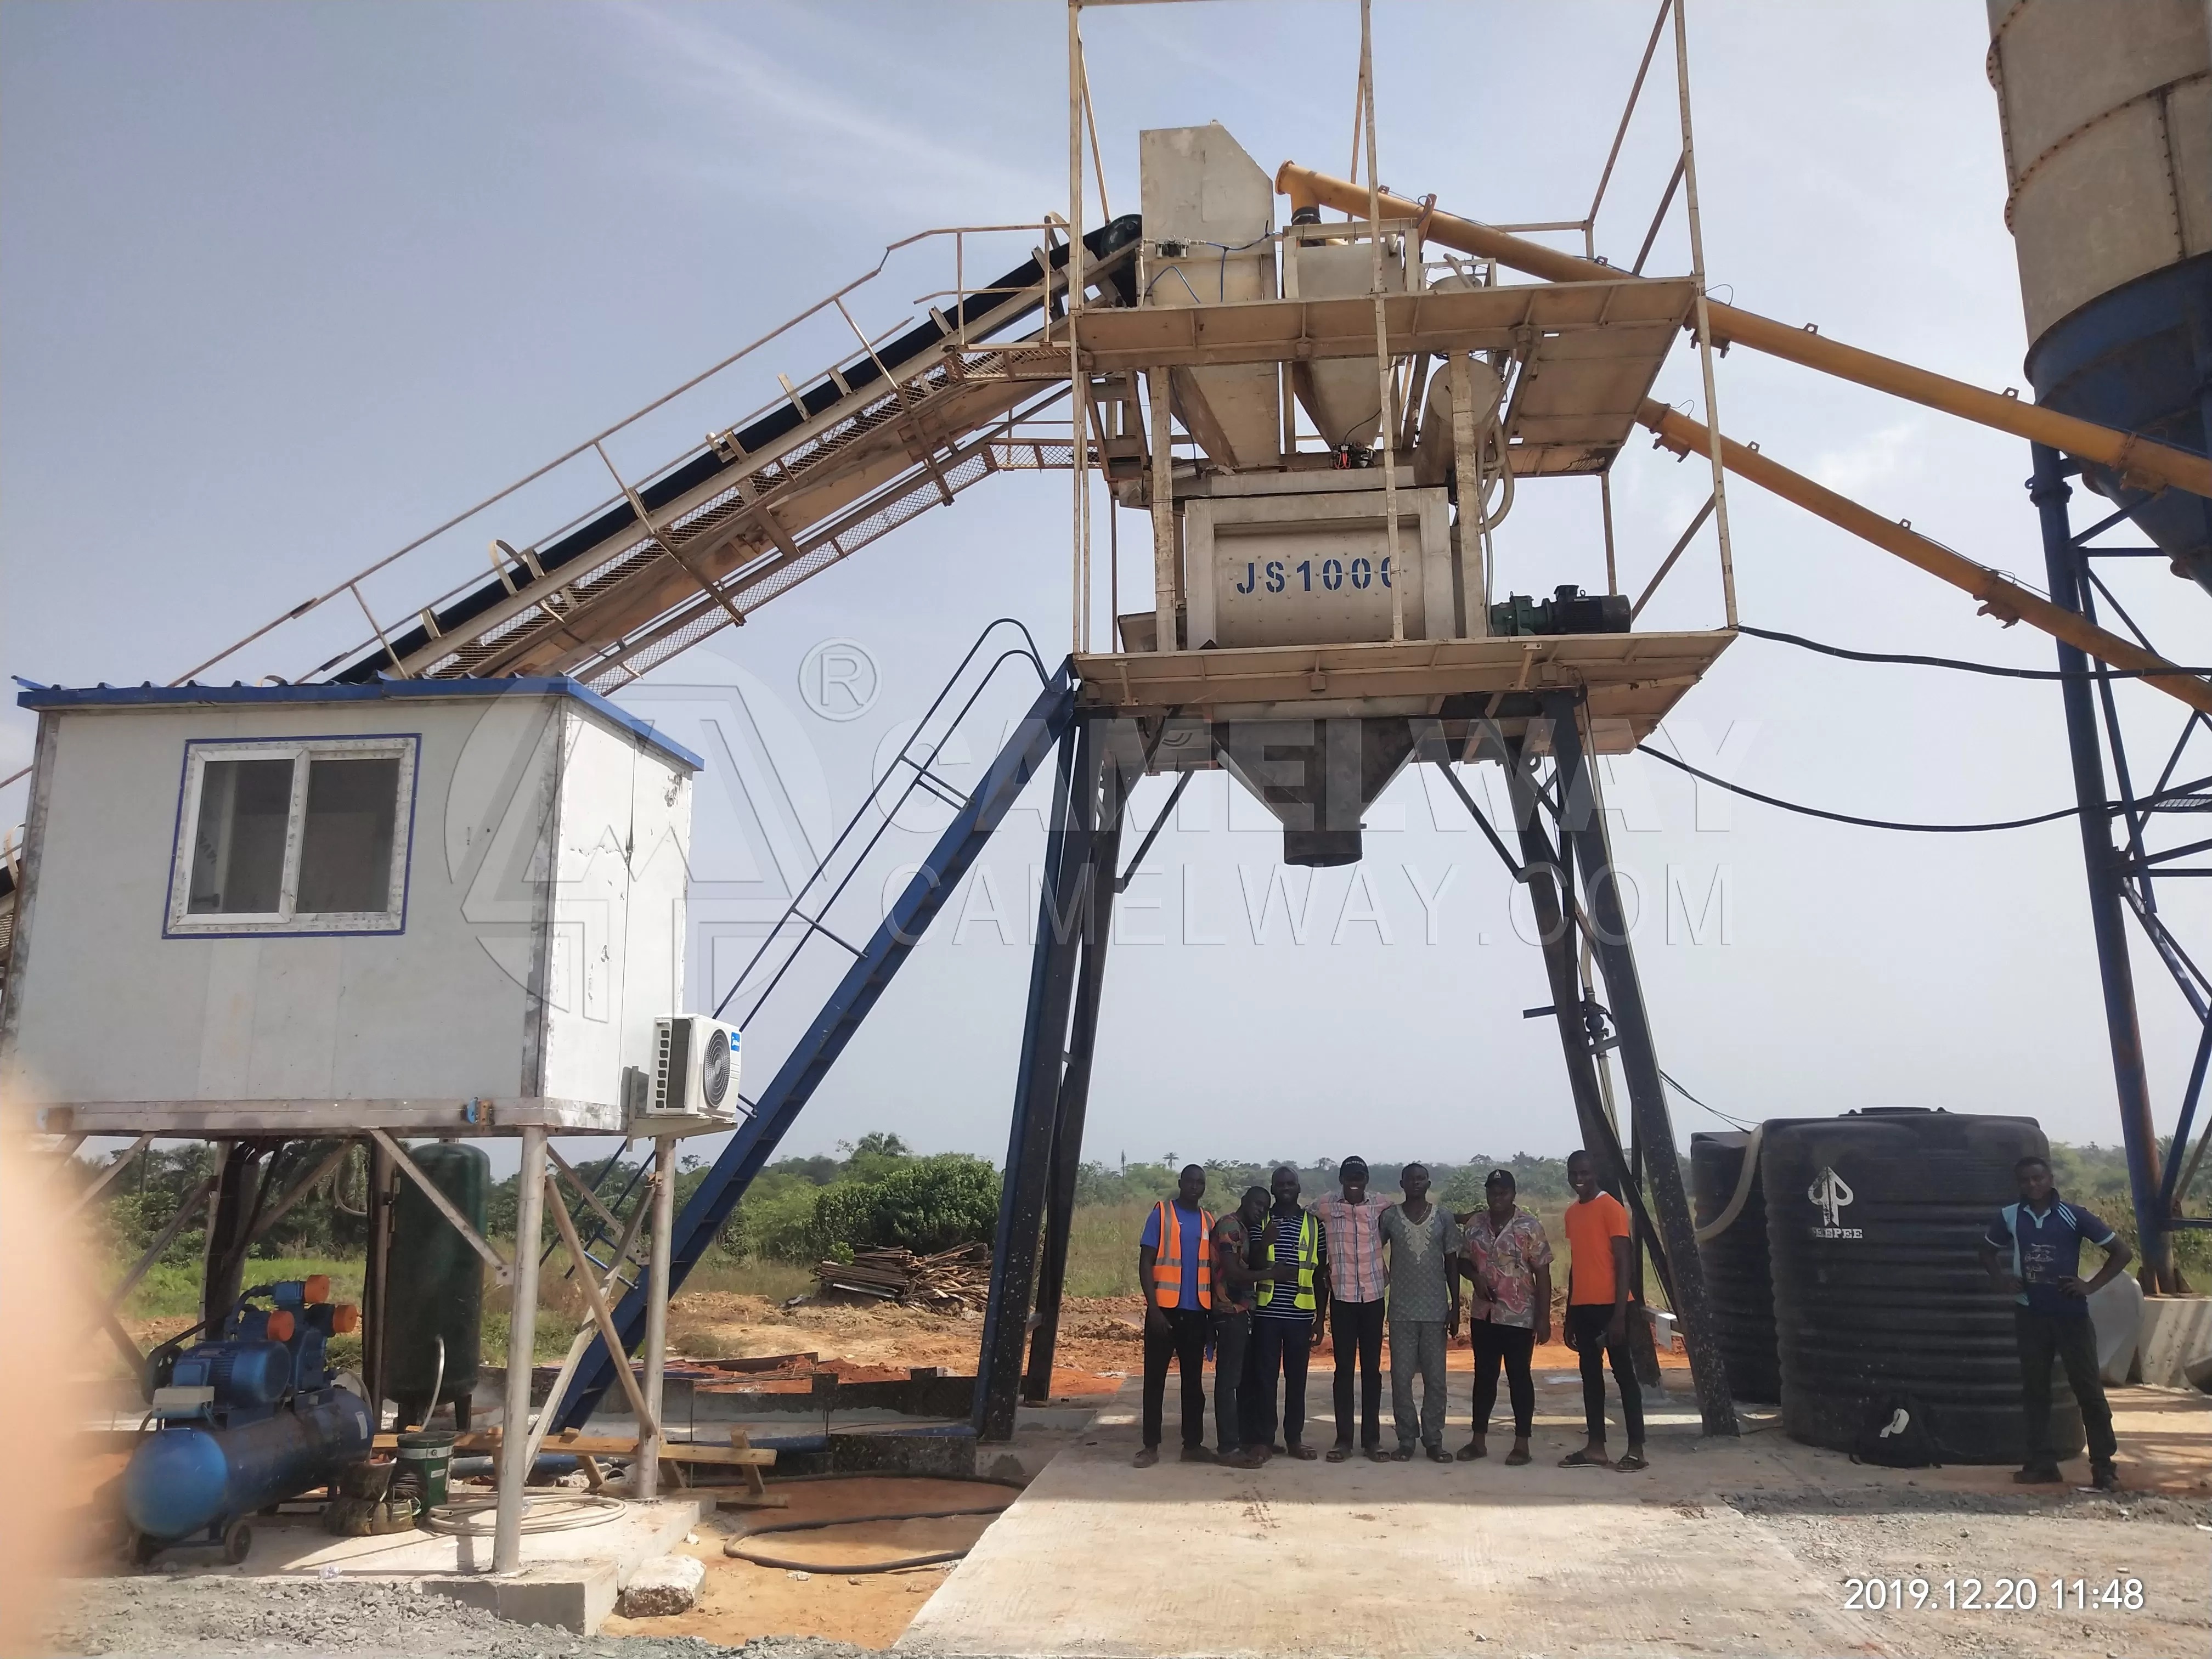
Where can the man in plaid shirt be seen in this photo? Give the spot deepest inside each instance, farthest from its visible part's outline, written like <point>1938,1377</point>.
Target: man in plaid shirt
<point>1355,1313</point>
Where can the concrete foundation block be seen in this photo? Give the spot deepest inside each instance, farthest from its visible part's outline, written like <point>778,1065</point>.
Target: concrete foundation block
<point>575,1596</point>
<point>949,1451</point>
<point>658,1587</point>
<point>2176,1334</point>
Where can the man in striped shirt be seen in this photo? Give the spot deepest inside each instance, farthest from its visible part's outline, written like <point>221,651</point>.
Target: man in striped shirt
<point>1355,1313</point>
<point>1287,1320</point>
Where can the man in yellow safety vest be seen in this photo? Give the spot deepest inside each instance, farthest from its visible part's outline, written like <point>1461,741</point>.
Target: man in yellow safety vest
<point>1290,1318</point>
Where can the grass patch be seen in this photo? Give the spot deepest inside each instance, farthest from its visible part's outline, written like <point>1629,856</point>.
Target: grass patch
<point>778,1281</point>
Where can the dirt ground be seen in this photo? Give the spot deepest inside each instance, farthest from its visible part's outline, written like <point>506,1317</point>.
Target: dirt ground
<point>741,1601</point>
<point>1099,1334</point>
<point>1103,1335</point>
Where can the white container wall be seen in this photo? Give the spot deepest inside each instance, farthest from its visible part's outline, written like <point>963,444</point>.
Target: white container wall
<point>451,905</point>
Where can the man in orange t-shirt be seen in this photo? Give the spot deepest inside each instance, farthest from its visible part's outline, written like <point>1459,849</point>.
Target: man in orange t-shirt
<point>1598,1312</point>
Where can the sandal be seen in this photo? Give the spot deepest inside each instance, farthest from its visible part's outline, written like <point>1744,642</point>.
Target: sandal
<point>1304,1453</point>
<point>1583,1459</point>
<point>1438,1454</point>
<point>1516,1458</point>
<point>1403,1454</point>
<point>1630,1463</point>
<point>1473,1450</point>
<point>1338,1452</point>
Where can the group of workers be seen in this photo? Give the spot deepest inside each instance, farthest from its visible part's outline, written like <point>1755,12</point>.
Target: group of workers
<point>1265,1283</point>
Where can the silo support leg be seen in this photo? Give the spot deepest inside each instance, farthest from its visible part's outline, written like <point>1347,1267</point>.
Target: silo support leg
<point>1584,829</point>
<point>2124,1030</point>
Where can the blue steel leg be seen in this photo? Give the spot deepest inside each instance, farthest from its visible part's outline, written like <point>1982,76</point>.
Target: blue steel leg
<point>1115,780</point>
<point>1062,908</point>
<point>755,1142</point>
<point>2138,1131</point>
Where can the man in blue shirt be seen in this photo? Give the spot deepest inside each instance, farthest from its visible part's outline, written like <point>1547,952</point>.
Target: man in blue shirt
<point>2033,1249</point>
<point>1174,1268</point>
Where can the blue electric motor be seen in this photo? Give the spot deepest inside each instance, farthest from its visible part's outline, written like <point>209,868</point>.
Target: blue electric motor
<point>247,1420</point>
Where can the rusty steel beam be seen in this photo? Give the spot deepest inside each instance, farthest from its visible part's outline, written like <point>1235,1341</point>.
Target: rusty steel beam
<point>2006,600</point>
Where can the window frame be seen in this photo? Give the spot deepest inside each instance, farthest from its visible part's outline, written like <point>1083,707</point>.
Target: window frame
<point>181,923</point>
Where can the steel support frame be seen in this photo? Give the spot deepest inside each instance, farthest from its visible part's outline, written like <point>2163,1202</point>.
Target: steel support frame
<point>1583,831</point>
<point>2120,878</point>
<point>1061,905</point>
<point>1027,748</point>
<point>1105,806</point>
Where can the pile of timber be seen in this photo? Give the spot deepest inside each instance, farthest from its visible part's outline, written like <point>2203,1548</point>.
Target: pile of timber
<point>952,1281</point>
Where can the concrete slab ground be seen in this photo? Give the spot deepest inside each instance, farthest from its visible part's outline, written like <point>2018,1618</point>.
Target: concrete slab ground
<point>1743,1547</point>
<point>569,1577</point>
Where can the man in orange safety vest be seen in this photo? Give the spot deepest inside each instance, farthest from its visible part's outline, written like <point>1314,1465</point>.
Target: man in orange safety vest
<point>1174,1268</point>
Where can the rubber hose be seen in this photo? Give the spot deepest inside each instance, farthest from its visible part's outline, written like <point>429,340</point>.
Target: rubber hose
<point>733,1547</point>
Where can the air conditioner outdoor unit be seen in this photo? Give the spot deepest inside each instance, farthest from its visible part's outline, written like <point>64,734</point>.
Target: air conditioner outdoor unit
<point>694,1082</point>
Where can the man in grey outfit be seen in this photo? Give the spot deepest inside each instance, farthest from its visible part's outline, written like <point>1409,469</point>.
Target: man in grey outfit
<point>1423,1242</point>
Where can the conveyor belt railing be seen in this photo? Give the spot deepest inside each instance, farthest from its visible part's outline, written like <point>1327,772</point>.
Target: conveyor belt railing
<point>902,422</point>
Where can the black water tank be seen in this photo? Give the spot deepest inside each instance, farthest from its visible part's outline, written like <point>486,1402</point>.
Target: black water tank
<point>1872,1223</point>
<point>1737,1277</point>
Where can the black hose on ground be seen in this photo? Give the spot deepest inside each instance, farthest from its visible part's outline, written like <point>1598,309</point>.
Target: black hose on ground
<point>735,1546</point>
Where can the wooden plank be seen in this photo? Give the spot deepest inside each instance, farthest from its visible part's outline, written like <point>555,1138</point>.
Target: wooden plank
<point>607,1445</point>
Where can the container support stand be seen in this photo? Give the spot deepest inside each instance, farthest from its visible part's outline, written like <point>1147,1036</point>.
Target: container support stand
<point>645,1483</point>
<point>1104,805</point>
<point>1583,827</point>
<point>521,1347</point>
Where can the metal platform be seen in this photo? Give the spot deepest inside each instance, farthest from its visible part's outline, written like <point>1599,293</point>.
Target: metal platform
<point>1633,680</point>
<point>1594,348</point>
<point>325,1119</point>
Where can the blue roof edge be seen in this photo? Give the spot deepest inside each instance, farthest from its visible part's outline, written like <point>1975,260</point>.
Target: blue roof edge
<point>561,685</point>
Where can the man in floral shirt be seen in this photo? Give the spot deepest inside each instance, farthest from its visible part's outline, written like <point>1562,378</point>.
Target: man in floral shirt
<point>1509,1262</point>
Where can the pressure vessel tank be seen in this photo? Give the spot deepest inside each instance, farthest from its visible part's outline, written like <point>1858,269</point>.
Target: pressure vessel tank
<point>2105,110</point>
<point>436,1286</point>
<point>186,1477</point>
<point>1874,1222</point>
<point>1730,1212</point>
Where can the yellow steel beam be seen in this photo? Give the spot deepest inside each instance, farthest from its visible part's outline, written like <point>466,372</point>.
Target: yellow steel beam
<point>2141,461</point>
<point>2006,600</point>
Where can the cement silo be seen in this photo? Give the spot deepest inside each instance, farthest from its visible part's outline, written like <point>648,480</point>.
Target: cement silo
<point>2106,106</point>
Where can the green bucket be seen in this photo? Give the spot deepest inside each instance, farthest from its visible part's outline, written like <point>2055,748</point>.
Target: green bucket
<point>429,1454</point>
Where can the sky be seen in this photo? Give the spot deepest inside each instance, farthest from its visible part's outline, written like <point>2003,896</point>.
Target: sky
<point>283,289</point>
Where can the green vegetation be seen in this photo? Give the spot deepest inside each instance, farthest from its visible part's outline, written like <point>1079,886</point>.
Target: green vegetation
<point>874,1192</point>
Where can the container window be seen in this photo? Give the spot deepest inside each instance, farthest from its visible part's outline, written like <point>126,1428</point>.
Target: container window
<point>238,856</point>
<point>292,836</point>
<point>345,849</point>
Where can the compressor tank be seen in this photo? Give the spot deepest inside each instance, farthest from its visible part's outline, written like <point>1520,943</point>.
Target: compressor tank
<point>187,1477</point>
<point>436,1284</point>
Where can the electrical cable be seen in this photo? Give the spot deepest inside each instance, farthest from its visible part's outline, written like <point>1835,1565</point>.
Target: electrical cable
<point>1846,817</point>
<point>1961,666</point>
<point>1734,1123</point>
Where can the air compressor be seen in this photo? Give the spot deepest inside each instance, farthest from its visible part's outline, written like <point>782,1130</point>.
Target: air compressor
<point>247,1419</point>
